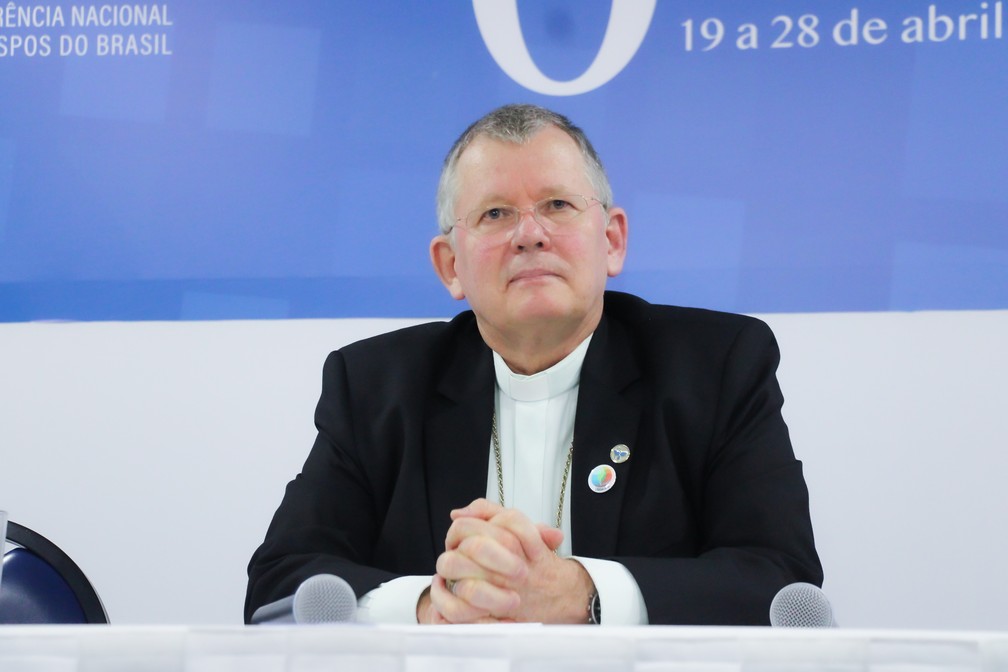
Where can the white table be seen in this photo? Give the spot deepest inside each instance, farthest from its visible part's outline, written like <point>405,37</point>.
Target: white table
<point>491,648</point>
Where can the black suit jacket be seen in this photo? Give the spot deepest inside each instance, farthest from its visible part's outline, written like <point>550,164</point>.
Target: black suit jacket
<point>709,514</point>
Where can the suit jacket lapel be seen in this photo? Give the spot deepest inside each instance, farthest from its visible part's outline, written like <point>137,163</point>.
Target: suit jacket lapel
<point>608,414</point>
<point>457,433</point>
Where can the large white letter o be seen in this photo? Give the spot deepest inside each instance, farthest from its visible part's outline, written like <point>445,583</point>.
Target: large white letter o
<point>500,27</point>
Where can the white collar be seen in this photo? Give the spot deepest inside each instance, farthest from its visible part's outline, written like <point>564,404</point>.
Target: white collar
<point>557,379</point>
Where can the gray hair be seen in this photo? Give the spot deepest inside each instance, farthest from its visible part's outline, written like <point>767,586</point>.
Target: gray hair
<point>517,124</point>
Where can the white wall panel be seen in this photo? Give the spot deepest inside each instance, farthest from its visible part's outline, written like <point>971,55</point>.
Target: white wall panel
<point>155,453</point>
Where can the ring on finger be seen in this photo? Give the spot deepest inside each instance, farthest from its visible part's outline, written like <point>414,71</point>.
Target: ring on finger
<point>450,585</point>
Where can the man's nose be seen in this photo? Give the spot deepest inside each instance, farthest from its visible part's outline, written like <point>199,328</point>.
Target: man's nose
<point>529,232</point>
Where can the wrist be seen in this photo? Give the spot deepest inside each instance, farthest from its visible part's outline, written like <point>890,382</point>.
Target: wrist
<point>423,607</point>
<point>583,592</point>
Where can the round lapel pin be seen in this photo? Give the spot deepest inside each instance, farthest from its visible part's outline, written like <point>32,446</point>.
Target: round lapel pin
<point>601,478</point>
<point>620,453</point>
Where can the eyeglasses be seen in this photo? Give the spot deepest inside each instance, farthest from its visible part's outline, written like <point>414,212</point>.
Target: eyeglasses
<point>553,214</point>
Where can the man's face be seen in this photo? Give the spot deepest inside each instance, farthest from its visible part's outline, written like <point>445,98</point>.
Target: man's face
<point>529,276</point>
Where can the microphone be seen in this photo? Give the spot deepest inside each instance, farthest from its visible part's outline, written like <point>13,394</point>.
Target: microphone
<point>323,598</point>
<point>801,605</point>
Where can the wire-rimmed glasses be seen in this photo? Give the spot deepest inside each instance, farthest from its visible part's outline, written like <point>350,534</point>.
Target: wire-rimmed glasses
<point>553,214</point>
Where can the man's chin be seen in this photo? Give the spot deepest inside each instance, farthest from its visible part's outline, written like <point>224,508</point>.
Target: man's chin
<point>539,308</point>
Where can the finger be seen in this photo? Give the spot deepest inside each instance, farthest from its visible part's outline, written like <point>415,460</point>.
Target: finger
<point>451,608</point>
<point>458,565</point>
<point>429,615</point>
<point>437,619</point>
<point>494,557</point>
<point>479,508</point>
<point>525,531</point>
<point>471,600</point>
<point>491,600</point>
<point>551,536</point>
<point>464,528</point>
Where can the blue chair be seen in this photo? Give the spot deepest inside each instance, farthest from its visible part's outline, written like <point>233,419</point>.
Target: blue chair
<point>41,584</point>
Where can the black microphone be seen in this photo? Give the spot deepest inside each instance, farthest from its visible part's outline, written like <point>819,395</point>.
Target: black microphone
<point>801,605</point>
<point>323,598</point>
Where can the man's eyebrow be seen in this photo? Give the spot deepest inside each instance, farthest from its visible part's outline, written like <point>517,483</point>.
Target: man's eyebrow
<point>556,190</point>
<point>546,192</point>
<point>492,198</point>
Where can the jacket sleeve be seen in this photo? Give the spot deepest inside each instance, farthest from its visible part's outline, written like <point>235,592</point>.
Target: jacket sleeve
<point>329,518</point>
<point>752,532</point>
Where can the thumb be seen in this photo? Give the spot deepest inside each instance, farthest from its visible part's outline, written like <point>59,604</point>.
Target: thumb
<point>551,536</point>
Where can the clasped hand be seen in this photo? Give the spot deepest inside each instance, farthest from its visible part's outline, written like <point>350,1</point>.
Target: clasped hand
<point>502,567</point>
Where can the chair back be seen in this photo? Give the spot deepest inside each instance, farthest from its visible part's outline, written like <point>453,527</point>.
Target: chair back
<point>41,584</point>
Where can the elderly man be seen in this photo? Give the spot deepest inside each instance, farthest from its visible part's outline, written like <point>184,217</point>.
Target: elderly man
<point>560,453</point>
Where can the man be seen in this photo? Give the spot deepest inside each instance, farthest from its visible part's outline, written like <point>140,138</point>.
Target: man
<point>559,454</point>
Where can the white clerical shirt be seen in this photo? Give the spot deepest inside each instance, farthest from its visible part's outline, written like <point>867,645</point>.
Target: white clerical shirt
<point>535,422</point>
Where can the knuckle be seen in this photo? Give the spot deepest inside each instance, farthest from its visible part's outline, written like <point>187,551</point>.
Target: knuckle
<point>464,590</point>
<point>512,519</point>
<point>444,563</point>
<point>474,547</point>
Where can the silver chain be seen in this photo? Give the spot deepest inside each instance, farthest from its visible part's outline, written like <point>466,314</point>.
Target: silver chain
<point>500,472</point>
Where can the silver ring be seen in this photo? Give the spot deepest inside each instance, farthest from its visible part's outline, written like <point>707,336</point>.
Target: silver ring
<point>450,585</point>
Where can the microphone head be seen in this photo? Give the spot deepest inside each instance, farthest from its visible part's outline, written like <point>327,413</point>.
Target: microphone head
<point>801,605</point>
<point>324,598</point>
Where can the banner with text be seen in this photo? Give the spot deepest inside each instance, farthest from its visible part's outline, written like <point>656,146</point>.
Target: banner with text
<point>215,159</point>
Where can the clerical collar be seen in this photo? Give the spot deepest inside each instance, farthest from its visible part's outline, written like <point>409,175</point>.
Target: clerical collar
<point>559,378</point>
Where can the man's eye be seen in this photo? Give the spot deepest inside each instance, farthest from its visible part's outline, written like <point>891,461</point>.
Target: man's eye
<point>493,214</point>
<point>558,204</point>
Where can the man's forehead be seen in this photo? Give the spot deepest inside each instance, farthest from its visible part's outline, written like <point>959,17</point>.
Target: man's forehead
<point>557,159</point>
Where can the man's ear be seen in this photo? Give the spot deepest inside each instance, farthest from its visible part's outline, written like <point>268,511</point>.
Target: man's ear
<point>442,254</point>
<point>616,233</point>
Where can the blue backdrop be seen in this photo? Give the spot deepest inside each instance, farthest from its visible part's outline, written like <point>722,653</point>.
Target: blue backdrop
<point>205,159</point>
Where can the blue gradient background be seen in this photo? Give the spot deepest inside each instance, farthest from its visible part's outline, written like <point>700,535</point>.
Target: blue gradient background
<point>282,162</point>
